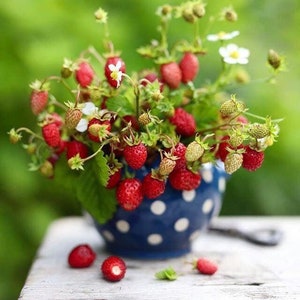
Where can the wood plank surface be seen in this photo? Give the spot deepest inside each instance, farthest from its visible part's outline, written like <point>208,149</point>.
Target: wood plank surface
<point>246,271</point>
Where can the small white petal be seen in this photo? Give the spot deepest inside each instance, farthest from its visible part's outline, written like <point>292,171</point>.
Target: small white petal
<point>82,125</point>
<point>244,52</point>
<point>112,67</point>
<point>89,108</point>
<point>118,65</point>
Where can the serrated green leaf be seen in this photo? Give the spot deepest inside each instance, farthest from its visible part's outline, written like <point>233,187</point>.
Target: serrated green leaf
<point>94,197</point>
<point>167,274</point>
<point>101,169</point>
<point>122,105</point>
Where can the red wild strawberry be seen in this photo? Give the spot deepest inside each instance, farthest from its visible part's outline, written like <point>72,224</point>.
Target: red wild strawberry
<point>82,256</point>
<point>171,74</point>
<point>129,193</point>
<point>152,187</point>
<point>98,129</point>
<point>179,151</point>
<point>38,101</point>
<point>51,134</point>
<point>252,160</point>
<point>113,268</point>
<point>184,179</point>
<point>205,266</point>
<point>119,66</point>
<point>135,155</point>
<point>84,74</point>
<point>114,179</point>
<point>76,147</point>
<point>151,77</point>
<point>132,119</point>
<point>56,119</point>
<point>189,66</point>
<point>222,150</point>
<point>184,122</point>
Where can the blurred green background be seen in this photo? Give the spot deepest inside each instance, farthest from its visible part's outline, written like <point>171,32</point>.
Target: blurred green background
<point>36,36</point>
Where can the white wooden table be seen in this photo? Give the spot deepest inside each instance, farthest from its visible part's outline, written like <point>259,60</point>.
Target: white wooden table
<point>246,271</point>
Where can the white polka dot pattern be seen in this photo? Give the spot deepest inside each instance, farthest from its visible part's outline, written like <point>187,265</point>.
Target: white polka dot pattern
<point>169,223</point>
<point>123,226</point>
<point>181,224</point>
<point>222,184</point>
<point>207,175</point>
<point>189,196</point>
<point>154,239</point>
<point>207,206</point>
<point>108,235</point>
<point>158,207</point>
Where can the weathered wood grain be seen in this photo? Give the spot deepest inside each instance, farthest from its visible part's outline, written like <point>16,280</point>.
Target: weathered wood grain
<point>246,271</point>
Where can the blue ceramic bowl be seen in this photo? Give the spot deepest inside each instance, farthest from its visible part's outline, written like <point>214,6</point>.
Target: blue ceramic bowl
<point>165,227</point>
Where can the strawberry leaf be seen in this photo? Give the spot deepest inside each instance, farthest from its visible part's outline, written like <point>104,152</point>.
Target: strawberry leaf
<point>167,274</point>
<point>122,105</point>
<point>101,168</point>
<point>94,197</point>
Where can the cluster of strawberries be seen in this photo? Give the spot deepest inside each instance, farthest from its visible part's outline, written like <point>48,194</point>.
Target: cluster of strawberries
<point>119,123</point>
<point>113,268</point>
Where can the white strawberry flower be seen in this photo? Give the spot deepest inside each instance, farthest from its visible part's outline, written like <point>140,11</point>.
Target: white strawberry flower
<point>232,54</point>
<point>116,74</point>
<point>222,36</point>
<point>88,109</point>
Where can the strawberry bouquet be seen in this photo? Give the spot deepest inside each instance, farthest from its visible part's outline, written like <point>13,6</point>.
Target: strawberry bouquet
<point>111,123</point>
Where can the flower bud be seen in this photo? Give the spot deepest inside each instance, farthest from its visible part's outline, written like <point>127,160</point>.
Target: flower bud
<point>199,10</point>
<point>230,15</point>
<point>274,59</point>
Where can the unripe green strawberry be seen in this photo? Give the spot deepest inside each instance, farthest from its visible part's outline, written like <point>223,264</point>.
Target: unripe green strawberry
<point>166,166</point>
<point>233,162</point>
<point>236,139</point>
<point>230,107</point>
<point>47,169</point>
<point>72,118</point>
<point>144,119</point>
<point>258,131</point>
<point>193,151</point>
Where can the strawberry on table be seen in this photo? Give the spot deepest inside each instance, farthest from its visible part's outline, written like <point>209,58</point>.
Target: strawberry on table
<point>113,268</point>
<point>206,266</point>
<point>82,256</point>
